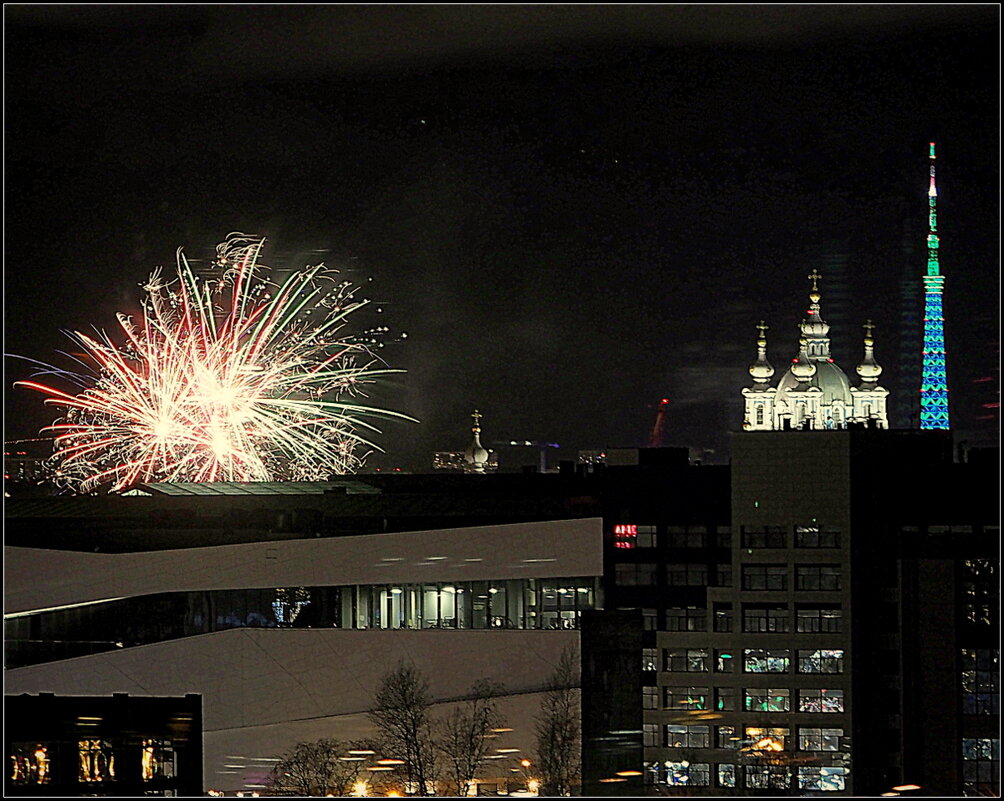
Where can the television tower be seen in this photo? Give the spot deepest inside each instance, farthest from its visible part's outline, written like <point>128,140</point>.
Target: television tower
<point>933,379</point>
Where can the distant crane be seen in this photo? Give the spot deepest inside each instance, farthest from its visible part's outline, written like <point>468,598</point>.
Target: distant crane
<point>540,446</point>
<point>655,438</point>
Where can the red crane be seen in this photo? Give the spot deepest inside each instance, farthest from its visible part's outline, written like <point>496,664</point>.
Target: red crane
<point>655,438</point>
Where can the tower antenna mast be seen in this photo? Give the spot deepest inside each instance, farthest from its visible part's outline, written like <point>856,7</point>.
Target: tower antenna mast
<point>934,379</point>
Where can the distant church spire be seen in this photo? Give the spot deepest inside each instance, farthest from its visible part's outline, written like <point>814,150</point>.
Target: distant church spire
<point>476,457</point>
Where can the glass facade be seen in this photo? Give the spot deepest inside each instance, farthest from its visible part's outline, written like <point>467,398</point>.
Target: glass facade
<point>503,604</point>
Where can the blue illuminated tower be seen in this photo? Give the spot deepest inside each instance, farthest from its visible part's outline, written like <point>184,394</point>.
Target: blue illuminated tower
<point>933,379</point>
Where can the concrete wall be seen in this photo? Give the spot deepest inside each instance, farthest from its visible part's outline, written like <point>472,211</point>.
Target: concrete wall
<point>39,579</point>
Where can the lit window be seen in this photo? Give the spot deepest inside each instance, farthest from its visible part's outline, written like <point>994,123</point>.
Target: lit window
<point>767,777</point>
<point>725,699</point>
<point>685,698</point>
<point>768,739</point>
<point>727,738</point>
<point>819,700</point>
<point>814,536</point>
<point>759,699</point>
<point>820,661</point>
<point>29,763</point>
<point>817,739</point>
<point>649,659</point>
<point>726,775</point>
<point>159,761</point>
<point>693,660</point>
<point>763,660</point>
<point>688,736</point>
<point>724,662</point>
<point>980,592</point>
<point>824,779</point>
<point>980,681</point>
<point>981,766</point>
<point>688,774</point>
<point>97,762</point>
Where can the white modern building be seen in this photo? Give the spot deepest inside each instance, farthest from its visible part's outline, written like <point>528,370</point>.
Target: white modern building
<point>287,636</point>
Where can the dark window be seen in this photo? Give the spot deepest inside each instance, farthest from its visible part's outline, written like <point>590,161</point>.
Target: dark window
<point>723,617</point>
<point>687,575</point>
<point>819,620</point>
<point>765,577</point>
<point>817,577</point>
<point>723,575</point>
<point>631,574</point>
<point>762,619</point>
<point>649,697</point>
<point>650,735</point>
<point>689,619</point>
<point>724,537</point>
<point>764,537</point>
<point>686,536</point>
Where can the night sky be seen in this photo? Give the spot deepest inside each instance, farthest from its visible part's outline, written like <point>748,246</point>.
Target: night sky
<point>572,211</point>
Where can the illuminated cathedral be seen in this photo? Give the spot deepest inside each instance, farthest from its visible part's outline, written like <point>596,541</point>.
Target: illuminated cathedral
<point>814,393</point>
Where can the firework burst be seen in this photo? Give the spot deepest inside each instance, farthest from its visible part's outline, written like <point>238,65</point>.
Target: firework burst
<point>228,376</point>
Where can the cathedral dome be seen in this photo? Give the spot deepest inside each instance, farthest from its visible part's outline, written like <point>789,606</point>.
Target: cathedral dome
<point>828,379</point>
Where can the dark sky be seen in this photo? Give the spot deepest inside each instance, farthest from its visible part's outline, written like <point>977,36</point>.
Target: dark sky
<point>572,211</point>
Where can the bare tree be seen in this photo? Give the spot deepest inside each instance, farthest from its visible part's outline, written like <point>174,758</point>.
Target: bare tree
<point>558,729</point>
<point>401,712</point>
<point>463,735</point>
<point>316,768</point>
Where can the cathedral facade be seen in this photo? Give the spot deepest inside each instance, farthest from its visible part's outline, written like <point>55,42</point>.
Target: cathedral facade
<point>814,392</point>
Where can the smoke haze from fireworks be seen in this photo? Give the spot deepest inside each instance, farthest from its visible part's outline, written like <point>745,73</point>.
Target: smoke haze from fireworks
<point>229,376</point>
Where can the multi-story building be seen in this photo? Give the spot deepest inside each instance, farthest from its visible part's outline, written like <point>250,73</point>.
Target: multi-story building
<point>854,648</point>
<point>820,616</point>
<point>284,605</point>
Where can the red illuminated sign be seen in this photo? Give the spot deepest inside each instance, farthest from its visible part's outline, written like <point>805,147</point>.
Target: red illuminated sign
<point>626,530</point>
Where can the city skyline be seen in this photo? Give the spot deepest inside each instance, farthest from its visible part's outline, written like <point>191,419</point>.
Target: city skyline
<point>568,228</point>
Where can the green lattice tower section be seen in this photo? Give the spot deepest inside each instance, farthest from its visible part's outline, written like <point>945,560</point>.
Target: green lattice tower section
<point>933,379</point>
